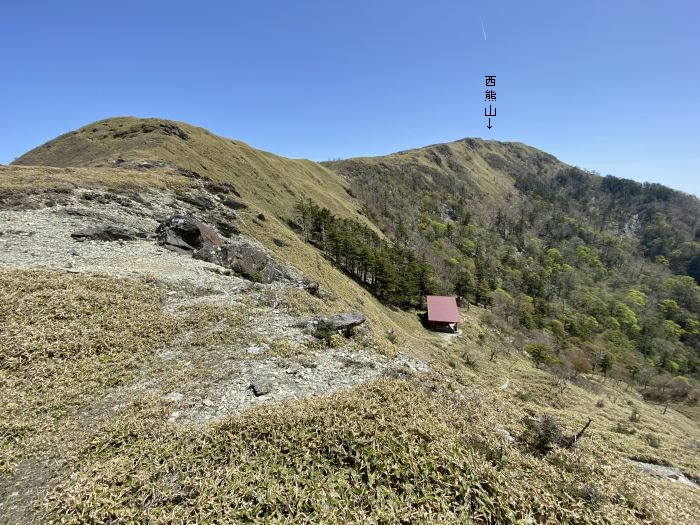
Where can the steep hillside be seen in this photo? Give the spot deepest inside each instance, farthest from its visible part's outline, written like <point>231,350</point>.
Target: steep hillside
<point>505,185</point>
<point>272,183</point>
<point>604,267</point>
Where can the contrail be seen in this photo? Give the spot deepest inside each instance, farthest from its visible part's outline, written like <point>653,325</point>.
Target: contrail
<point>482,27</point>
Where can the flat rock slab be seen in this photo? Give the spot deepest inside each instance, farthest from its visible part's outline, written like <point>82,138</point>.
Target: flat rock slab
<point>662,471</point>
<point>107,233</point>
<point>342,321</point>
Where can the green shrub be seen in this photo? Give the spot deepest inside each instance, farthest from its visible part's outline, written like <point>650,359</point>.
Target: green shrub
<point>542,434</point>
<point>540,354</point>
<point>325,332</point>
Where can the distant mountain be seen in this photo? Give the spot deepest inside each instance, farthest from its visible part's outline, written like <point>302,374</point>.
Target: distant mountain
<point>586,258</point>
<point>490,181</point>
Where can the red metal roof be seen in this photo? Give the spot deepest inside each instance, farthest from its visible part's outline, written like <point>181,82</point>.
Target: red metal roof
<point>443,308</point>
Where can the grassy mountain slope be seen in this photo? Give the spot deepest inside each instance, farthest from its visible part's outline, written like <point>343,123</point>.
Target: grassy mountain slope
<point>469,167</point>
<point>473,180</point>
<point>411,448</point>
<point>264,180</point>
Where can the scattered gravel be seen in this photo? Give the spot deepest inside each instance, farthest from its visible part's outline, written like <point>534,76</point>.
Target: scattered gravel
<point>239,374</point>
<point>278,379</point>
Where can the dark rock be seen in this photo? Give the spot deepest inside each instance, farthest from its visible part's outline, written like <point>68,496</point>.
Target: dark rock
<point>281,243</point>
<point>200,201</point>
<point>234,204</point>
<point>173,241</point>
<point>172,129</point>
<point>107,233</point>
<point>261,216</point>
<point>222,188</point>
<point>312,287</point>
<point>260,388</point>
<point>183,232</point>
<point>190,174</point>
<point>227,228</point>
<point>243,258</point>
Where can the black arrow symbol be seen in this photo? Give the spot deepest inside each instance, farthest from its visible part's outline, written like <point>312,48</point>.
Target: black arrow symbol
<point>489,126</point>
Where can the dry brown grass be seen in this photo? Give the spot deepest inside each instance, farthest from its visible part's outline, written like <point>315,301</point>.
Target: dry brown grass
<point>64,339</point>
<point>390,452</point>
<point>266,181</point>
<point>16,180</point>
<point>346,294</point>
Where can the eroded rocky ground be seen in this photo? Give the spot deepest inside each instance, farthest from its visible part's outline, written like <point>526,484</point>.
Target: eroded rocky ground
<point>273,349</point>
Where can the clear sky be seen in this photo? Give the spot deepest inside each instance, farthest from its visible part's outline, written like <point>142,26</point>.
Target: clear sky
<point>610,86</point>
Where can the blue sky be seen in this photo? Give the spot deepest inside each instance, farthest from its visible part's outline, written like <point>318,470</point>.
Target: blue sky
<point>610,86</point>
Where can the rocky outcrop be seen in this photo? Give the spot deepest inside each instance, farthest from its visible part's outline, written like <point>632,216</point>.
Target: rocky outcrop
<point>312,287</point>
<point>243,258</point>
<point>227,228</point>
<point>345,321</point>
<point>184,233</point>
<point>107,233</point>
<point>197,199</point>
<point>342,322</point>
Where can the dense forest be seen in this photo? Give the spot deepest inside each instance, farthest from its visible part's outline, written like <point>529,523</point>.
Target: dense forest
<point>390,271</point>
<point>603,270</point>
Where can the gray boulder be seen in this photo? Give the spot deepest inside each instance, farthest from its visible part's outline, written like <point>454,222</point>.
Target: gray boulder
<point>243,258</point>
<point>260,387</point>
<point>342,321</point>
<point>312,287</point>
<point>185,233</point>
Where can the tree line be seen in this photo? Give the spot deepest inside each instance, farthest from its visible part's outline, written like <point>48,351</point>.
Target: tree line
<point>391,271</point>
